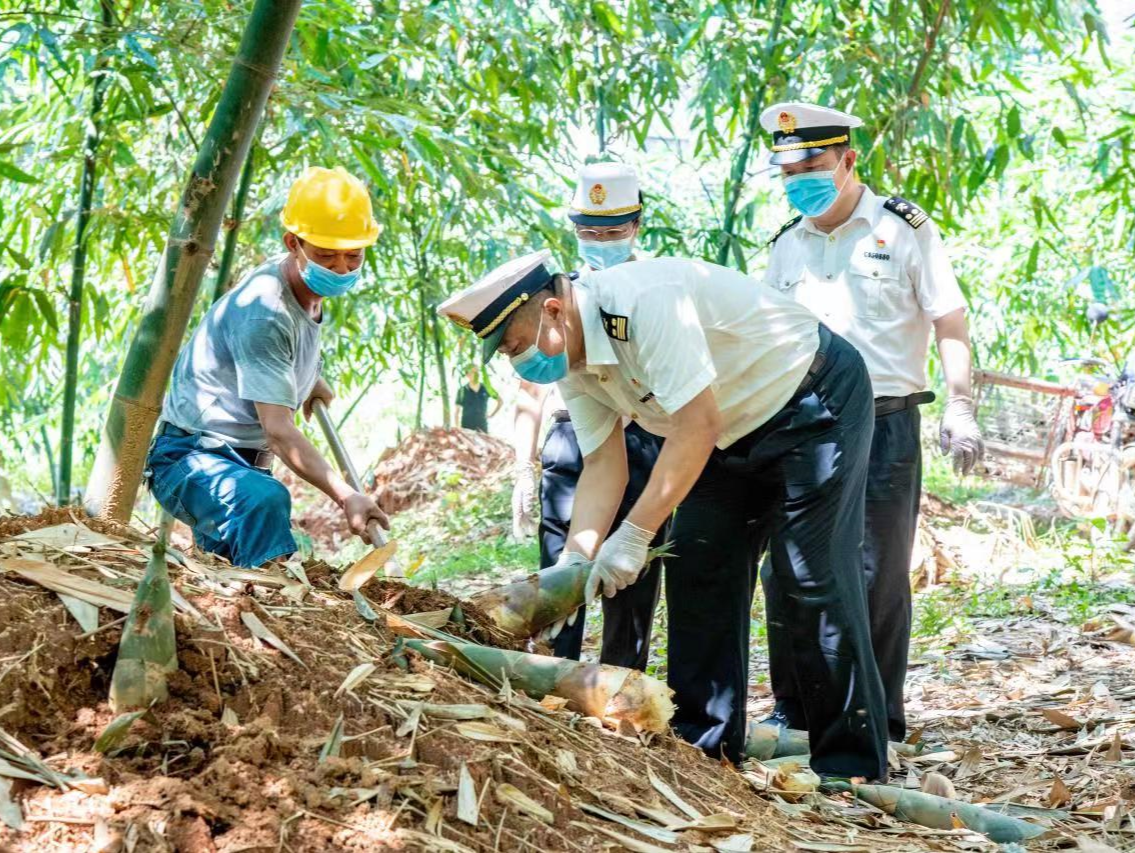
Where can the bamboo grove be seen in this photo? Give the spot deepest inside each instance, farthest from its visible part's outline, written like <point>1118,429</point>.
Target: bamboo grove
<point>999,119</point>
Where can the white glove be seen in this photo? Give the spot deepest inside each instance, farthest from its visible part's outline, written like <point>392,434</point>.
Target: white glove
<point>525,509</point>
<point>959,434</point>
<point>619,561</point>
<point>546,635</point>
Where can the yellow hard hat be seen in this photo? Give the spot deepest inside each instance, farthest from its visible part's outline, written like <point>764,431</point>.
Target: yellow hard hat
<point>330,208</point>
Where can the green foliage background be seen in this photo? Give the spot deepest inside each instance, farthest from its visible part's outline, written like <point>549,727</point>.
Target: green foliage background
<point>1012,123</point>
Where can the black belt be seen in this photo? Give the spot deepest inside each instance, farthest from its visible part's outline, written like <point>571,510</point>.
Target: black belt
<point>255,458</point>
<point>890,405</point>
<point>818,360</point>
<point>561,416</point>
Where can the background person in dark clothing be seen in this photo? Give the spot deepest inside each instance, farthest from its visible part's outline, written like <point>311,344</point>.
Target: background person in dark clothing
<point>473,403</point>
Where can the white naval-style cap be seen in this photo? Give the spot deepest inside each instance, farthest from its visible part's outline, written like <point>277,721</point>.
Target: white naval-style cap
<point>486,307</point>
<point>803,131</point>
<point>606,194</point>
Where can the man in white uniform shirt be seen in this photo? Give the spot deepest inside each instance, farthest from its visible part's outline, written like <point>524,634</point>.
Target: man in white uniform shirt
<point>767,417</point>
<point>874,270</point>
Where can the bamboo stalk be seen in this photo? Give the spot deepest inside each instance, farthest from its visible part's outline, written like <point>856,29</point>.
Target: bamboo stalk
<point>596,690</point>
<point>148,648</point>
<point>939,812</point>
<point>142,382</point>
<point>101,77</point>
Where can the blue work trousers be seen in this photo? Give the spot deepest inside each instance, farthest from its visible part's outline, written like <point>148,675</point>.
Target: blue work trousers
<point>236,510</point>
<point>797,482</point>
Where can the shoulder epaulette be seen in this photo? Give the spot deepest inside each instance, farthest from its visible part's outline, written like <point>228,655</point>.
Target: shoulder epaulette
<point>784,228</point>
<point>911,214</point>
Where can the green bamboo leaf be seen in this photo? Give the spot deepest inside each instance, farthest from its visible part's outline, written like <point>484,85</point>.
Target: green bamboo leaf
<point>14,173</point>
<point>117,730</point>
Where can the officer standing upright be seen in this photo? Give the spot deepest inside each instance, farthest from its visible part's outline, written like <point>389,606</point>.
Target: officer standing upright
<point>607,213</point>
<point>875,271</point>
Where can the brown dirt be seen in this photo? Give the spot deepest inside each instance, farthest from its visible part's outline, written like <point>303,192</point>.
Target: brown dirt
<point>183,780</point>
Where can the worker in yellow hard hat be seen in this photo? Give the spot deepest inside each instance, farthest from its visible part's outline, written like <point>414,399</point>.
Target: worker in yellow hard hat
<point>251,363</point>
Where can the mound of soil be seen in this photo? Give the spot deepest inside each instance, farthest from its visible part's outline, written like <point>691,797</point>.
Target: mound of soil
<point>232,761</point>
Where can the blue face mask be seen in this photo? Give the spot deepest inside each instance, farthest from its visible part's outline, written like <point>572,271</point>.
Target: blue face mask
<point>812,193</point>
<point>601,256</point>
<point>324,282</point>
<point>534,365</point>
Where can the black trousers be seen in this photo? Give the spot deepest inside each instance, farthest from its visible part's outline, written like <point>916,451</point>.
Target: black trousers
<point>797,483</point>
<point>894,487</point>
<point>628,616</point>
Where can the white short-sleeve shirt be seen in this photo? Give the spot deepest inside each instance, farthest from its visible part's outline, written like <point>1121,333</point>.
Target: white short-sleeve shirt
<point>879,280</point>
<point>659,332</point>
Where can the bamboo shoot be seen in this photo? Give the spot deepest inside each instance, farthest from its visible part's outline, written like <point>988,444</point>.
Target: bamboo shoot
<point>596,690</point>
<point>148,649</point>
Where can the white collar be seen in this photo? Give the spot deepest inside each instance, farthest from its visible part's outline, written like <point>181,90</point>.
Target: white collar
<point>867,209</point>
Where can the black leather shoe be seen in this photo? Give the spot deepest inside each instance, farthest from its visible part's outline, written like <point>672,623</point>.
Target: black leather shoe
<point>779,719</point>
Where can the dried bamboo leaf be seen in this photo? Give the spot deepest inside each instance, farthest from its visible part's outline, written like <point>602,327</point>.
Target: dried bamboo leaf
<point>1060,719</point>
<point>626,841</point>
<point>334,743</point>
<point>647,829</point>
<point>485,732</point>
<point>60,581</point>
<point>1115,751</point>
<point>739,843</point>
<point>10,812</point>
<point>510,795</point>
<point>669,793</point>
<point>433,817</point>
<point>410,724</point>
<point>431,618</point>
<point>365,569</point>
<point>85,613</point>
<point>364,606</point>
<point>229,718</point>
<point>67,535</point>
<point>450,712</point>
<point>355,677</point>
<point>117,729</point>
<point>718,822</point>
<point>468,809</point>
<point>793,781</point>
<point>262,632</point>
<point>1059,795</point>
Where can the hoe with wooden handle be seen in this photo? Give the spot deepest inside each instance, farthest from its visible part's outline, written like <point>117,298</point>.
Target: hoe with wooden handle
<point>383,555</point>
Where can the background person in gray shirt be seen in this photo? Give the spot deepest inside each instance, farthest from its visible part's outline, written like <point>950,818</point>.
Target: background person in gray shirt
<point>251,363</point>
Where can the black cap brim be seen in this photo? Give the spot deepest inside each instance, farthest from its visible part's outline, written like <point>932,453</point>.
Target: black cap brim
<point>799,155</point>
<point>601,221</point>
<point>489,345</point>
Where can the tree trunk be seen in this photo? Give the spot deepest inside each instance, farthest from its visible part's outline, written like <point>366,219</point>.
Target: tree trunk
<point>79,262</point>
<point>224,281</point>
<point>443,380</point>
<point>141,385</point>
<point>741,162</point>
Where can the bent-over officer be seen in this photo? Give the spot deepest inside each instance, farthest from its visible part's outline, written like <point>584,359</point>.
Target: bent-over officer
<point>875,271</point>
<point>251,363</point>
<point>767,417</point>
<point>607,213</point>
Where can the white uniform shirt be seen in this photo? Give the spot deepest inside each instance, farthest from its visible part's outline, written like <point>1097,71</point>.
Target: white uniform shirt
<point>659,332</point>
<point>876,281</point>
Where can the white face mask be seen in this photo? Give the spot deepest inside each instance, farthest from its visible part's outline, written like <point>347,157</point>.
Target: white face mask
<point>601,256</point>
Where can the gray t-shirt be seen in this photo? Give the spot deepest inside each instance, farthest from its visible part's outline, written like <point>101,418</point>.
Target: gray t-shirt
<point>256,345</point>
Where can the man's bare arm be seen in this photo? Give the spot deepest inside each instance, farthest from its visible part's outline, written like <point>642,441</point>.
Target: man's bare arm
<point>598,494</point>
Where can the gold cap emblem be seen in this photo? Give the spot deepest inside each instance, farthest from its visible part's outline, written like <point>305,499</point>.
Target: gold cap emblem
<point>786,122</point>
<point>598,194</point>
